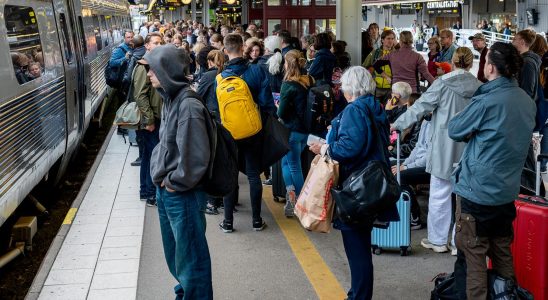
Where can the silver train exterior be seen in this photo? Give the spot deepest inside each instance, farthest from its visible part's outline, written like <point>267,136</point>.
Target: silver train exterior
<point>43,119</point>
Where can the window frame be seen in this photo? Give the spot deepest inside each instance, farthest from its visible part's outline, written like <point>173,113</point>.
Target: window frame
<point>34,20</point>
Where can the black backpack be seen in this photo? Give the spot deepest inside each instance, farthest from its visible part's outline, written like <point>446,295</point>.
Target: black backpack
<point>319,109</point>
<point>114,75</point>
<point>222,172</point>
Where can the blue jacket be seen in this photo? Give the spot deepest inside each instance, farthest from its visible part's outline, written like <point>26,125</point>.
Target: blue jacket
<point>322,66</point>
<point>119,55</point>
<point>257,80</point>
<point>498,125</point>
<point>352,143</point>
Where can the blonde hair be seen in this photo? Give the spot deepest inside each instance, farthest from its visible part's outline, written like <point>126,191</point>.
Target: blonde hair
<point>463,58</point>
<point>406,37</point>
<point>217,58</point>
<point>295,62</point>
<point>198,47</point>
<point>436,41</point>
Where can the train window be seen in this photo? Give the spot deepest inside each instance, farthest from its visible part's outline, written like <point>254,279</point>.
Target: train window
<point>97,31</point>
<point>83,36</point>
<point>104,30</point>
<point>65,36</point>
<point>24,41</point>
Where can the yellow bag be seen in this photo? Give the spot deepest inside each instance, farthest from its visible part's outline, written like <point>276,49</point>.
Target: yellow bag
<point>239,113</point>
<point>315,206</point>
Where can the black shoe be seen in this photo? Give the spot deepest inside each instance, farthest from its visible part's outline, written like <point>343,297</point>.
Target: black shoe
<point>416,224</point>
<point>136,162</point>
<point>226,226</point>
<point>151,202</point>
<point>259,225</point>
<point>211,210</point>
<point>267,181</point>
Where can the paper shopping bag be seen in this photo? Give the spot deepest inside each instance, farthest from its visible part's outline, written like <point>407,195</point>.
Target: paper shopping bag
<point>314,206</point>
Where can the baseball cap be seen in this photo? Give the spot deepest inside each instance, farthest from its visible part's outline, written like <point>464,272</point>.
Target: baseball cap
<point>446,67</point>
<point>478,36</point>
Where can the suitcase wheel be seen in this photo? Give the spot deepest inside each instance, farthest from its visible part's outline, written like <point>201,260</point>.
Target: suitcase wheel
<point>404,250</point>
<point>376,250</point>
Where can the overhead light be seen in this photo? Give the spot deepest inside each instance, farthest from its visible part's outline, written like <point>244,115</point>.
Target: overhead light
<point>186,2</point>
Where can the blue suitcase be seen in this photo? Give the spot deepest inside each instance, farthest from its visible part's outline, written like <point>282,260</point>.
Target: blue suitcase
<point>398,234</point>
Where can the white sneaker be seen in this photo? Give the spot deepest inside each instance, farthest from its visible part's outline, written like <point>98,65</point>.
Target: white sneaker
<point>454,251</point>
<point>437,248</point>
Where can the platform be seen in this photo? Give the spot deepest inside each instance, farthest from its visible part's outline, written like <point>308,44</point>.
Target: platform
<point>113,250</point>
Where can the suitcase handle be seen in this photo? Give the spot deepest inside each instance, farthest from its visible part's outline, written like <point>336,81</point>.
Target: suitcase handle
<point>540,157</point>
<point>398,155</point>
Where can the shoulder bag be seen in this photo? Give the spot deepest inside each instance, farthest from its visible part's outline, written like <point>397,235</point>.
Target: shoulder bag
<point>367,192</point>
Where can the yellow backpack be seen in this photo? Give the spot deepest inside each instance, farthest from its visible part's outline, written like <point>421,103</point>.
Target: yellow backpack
<point>239,113</point>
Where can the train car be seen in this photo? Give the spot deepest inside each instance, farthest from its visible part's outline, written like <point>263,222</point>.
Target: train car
<point>52,60</point>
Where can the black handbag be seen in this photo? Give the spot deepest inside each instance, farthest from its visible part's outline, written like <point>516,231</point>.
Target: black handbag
<point>275,143</point>
<point>367,192</point>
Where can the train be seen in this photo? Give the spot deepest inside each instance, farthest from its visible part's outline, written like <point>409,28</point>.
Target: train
<point>52,59</point>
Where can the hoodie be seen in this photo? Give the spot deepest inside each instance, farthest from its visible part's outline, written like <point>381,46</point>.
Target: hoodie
<point>181,158</point>
<point>530,74</point>
<point>322,66</point>
<point>445,98</point>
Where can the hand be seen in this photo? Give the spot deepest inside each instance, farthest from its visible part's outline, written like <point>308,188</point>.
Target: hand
<point>150,127</point>
<point>170,190</point>
<point>128,55</point>
<point>390,148</point>
<point>386,77</point>
<point>394,170</point>
<point>315,148</point>
<point>440,72</point>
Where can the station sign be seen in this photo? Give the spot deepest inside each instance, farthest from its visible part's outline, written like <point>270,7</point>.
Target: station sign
<point>443,7</point>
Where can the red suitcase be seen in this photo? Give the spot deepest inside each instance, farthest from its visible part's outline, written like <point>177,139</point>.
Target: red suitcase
<point>530,246</point>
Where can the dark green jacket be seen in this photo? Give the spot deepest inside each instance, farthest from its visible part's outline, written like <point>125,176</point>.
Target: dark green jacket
<point>293,98</point>
<point>147,98</point>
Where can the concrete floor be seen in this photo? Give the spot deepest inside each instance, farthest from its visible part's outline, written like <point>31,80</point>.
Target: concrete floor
<point>261,265</point>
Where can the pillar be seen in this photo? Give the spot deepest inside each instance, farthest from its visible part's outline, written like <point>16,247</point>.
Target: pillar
<point>205,12</point>
<point>349,21</point>
<point>245,11</point>
<point>193,8</point>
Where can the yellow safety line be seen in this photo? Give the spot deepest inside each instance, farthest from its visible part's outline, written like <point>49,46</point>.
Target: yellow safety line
<point>70,216</point>
<point>323,281</point>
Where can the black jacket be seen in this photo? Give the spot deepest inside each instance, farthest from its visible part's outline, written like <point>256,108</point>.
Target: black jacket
<point>206,90</point>
<point>409,142</point>
<point>529,75</point>
<point>275,79</point>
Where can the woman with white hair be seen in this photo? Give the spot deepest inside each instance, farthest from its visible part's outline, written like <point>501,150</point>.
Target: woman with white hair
<point>398,103</point>
<point>272,62</point>
<point>353,142</point>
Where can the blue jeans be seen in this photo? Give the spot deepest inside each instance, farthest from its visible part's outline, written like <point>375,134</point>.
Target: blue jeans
<point>357,245</point>
<point>147,140</point>
<point>291,162</point>
<point>183,228</point>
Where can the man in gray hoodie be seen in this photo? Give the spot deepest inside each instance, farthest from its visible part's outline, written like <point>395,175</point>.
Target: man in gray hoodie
<point>178,164</point>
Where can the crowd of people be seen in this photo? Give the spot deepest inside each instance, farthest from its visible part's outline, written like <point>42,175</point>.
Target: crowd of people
<point>482,123</point>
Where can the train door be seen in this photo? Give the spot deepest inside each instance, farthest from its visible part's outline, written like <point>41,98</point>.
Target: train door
<point>80,47</point>
<point>62,15</point>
